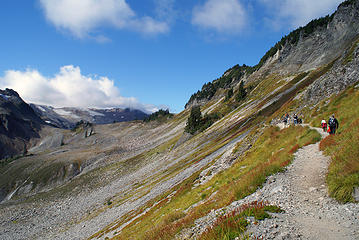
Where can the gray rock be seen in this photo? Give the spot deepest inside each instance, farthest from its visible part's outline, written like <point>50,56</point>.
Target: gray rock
<point>356,194</point>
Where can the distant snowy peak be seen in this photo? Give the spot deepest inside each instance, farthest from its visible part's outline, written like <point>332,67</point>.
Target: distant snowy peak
<point>67,117</point>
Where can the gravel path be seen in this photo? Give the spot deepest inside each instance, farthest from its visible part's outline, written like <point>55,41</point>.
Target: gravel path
<point>301,192</point>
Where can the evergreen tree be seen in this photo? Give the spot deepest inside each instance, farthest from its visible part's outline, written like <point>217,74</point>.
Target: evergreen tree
<point>194,120</point>
<point>159,115</point>
<point>229,94</point>
<point>242,93</point>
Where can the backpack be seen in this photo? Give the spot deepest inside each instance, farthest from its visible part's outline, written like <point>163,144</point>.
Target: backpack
<point>331,122</point>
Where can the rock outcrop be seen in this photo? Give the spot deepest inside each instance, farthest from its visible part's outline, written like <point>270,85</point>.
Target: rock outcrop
<point>344,73</point>
<point>322,46</point>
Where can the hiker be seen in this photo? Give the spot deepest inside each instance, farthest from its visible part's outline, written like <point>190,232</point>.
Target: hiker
<point>295,118</point>
<point>324,125</point>
<point>285,119</point>
<point>333,124</point>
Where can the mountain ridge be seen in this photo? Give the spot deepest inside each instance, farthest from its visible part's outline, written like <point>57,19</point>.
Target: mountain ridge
<point>22,123</point>
<point>67,117</point>
<point>327,36</point>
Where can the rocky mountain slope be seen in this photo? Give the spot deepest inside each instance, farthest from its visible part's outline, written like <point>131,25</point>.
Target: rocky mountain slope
<point>153,180</point>
<point>18,124</point>
<point>21,123</point>
<point>68,117</point>
<point>320,42</point>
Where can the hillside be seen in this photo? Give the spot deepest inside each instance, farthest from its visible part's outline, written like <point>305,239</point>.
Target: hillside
<point>238,167</point>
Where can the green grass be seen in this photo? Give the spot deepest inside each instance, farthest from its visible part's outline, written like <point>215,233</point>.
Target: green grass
<point>343,148</point>
<point>6,161</point>
<point>350,55</point>
<point>233,224</point>
<point>266,86</point>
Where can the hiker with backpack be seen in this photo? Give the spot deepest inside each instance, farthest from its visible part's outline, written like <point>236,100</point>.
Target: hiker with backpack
<point>324,125</point>
<point>285,119</point>
<point>295,117</point>
<point>333,124</point>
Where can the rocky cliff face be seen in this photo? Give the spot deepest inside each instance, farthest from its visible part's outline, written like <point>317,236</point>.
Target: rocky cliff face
<point>344,73</point>
<point>18,124</point>
<point>322,46</point>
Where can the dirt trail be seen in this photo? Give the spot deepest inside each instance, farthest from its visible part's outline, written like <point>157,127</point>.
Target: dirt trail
<point>308,183</point>
<point>310,214</point>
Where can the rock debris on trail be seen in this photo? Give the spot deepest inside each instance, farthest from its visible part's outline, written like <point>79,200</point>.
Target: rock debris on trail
<point>309,213</point>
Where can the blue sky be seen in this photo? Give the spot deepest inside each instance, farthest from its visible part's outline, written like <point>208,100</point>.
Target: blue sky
<point>142,54</point>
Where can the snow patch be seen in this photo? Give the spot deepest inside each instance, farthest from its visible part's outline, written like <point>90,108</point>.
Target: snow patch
<point>6,97</point>
<point>41,108</point>
<point>62,112</point>
<point>94,113</point>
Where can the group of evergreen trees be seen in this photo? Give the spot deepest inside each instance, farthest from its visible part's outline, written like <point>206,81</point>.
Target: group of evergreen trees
<point>231,75</point>
<point>240,95</point>
<point>196,122</point>
<point>242,92</point>
<point>159,115</point>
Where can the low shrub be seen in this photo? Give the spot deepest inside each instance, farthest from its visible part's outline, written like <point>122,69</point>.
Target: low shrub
<point>233,224</point>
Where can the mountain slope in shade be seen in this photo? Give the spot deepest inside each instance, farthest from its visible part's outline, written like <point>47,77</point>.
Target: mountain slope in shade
<point>18,124</point>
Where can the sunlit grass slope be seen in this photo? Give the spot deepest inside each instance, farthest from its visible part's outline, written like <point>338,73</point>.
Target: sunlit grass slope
<point>343,147</point>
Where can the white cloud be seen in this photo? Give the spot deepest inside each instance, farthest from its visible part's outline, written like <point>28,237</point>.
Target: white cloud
<point>148,25</point>
<point>300,12</point>
<point>84,17</point>
<point>225,16</point>
<point>165,10</point>
<point>68,88</point>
